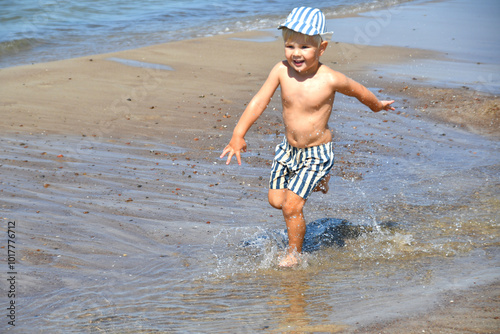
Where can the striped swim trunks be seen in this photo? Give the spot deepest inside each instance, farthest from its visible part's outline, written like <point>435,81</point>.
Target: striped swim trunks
<point>300,169</point>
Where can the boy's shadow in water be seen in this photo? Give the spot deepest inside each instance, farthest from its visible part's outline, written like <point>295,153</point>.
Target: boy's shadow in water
<point>321,233</point>
<point>328,232</point>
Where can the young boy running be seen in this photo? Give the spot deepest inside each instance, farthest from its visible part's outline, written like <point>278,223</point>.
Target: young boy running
<point>304,158</point>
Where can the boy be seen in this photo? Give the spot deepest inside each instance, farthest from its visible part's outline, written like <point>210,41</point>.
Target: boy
<point>305,157</point>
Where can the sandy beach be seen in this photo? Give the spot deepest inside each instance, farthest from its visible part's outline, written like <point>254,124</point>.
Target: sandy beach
<point>109,163</point>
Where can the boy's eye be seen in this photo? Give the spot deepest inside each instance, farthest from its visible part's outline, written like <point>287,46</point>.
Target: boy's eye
<point>298,47</point>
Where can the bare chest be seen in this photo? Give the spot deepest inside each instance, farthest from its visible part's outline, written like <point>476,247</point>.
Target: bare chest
<point>309,95</point>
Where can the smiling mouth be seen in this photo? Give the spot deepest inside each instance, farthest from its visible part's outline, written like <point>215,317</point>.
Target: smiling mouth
<point>298,62</point>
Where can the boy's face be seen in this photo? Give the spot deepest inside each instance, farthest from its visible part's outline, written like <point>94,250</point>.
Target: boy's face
<point>303,54</point>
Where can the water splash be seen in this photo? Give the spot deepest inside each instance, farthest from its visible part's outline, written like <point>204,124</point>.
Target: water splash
<point>248,250</point>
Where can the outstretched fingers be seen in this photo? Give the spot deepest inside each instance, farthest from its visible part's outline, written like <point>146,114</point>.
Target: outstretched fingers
<point>238,158</point>
<point>230,153</point>
<point>387,105</point>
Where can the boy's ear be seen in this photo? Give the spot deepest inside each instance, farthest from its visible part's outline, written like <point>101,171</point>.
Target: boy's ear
<point>322,47</point>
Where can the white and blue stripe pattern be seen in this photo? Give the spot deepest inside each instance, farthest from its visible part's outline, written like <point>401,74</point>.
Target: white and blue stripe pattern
<point>306,20</point>
<point>300,169</point>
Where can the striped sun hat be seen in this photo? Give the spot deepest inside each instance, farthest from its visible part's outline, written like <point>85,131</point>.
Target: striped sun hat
<point>306,20</point>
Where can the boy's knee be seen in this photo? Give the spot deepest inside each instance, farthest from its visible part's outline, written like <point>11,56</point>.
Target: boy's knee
<point>291,211</point>
<point>275,204</point>
<point>276,198</point>
<point>292,206</point>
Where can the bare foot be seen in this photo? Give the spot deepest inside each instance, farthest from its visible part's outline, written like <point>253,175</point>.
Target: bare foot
<point>290,260</point>
<point>323,185</point>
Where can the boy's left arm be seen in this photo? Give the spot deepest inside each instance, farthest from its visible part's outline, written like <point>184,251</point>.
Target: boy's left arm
<point>350,87</point>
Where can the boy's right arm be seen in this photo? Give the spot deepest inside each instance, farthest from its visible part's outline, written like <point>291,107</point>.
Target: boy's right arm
<point>252,112</point>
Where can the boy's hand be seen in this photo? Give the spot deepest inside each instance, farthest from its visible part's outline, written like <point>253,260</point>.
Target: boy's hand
<point>386,105</point>
<point>235,147</point>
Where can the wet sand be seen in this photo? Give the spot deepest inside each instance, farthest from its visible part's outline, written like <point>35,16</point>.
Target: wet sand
<point>475,311</point>
<point>105,162</point>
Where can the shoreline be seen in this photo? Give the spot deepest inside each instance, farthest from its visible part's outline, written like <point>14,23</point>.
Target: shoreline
<point>207,86</point>
<point>476,111</point>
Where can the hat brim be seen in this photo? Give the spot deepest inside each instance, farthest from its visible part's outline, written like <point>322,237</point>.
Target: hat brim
<point>305,29</point>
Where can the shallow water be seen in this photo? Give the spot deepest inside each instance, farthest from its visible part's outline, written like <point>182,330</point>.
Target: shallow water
<point>126,238</point>
<point>467,47</point>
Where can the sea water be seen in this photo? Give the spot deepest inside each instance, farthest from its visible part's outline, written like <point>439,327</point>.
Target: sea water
<point>34,31</point>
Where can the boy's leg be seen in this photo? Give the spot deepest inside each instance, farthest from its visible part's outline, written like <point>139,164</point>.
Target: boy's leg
<point>323,185</point>
<point>296,226</point>
<point>292,206</point>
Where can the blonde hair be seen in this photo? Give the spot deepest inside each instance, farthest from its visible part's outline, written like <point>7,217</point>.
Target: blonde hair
<point>289,33</point>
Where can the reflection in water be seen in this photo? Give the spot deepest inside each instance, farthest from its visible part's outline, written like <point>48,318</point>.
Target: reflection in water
<point>296,299</point>
<point>291,297</point>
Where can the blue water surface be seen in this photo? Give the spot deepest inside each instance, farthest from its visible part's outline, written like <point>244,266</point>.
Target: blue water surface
<point>35,31</point>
